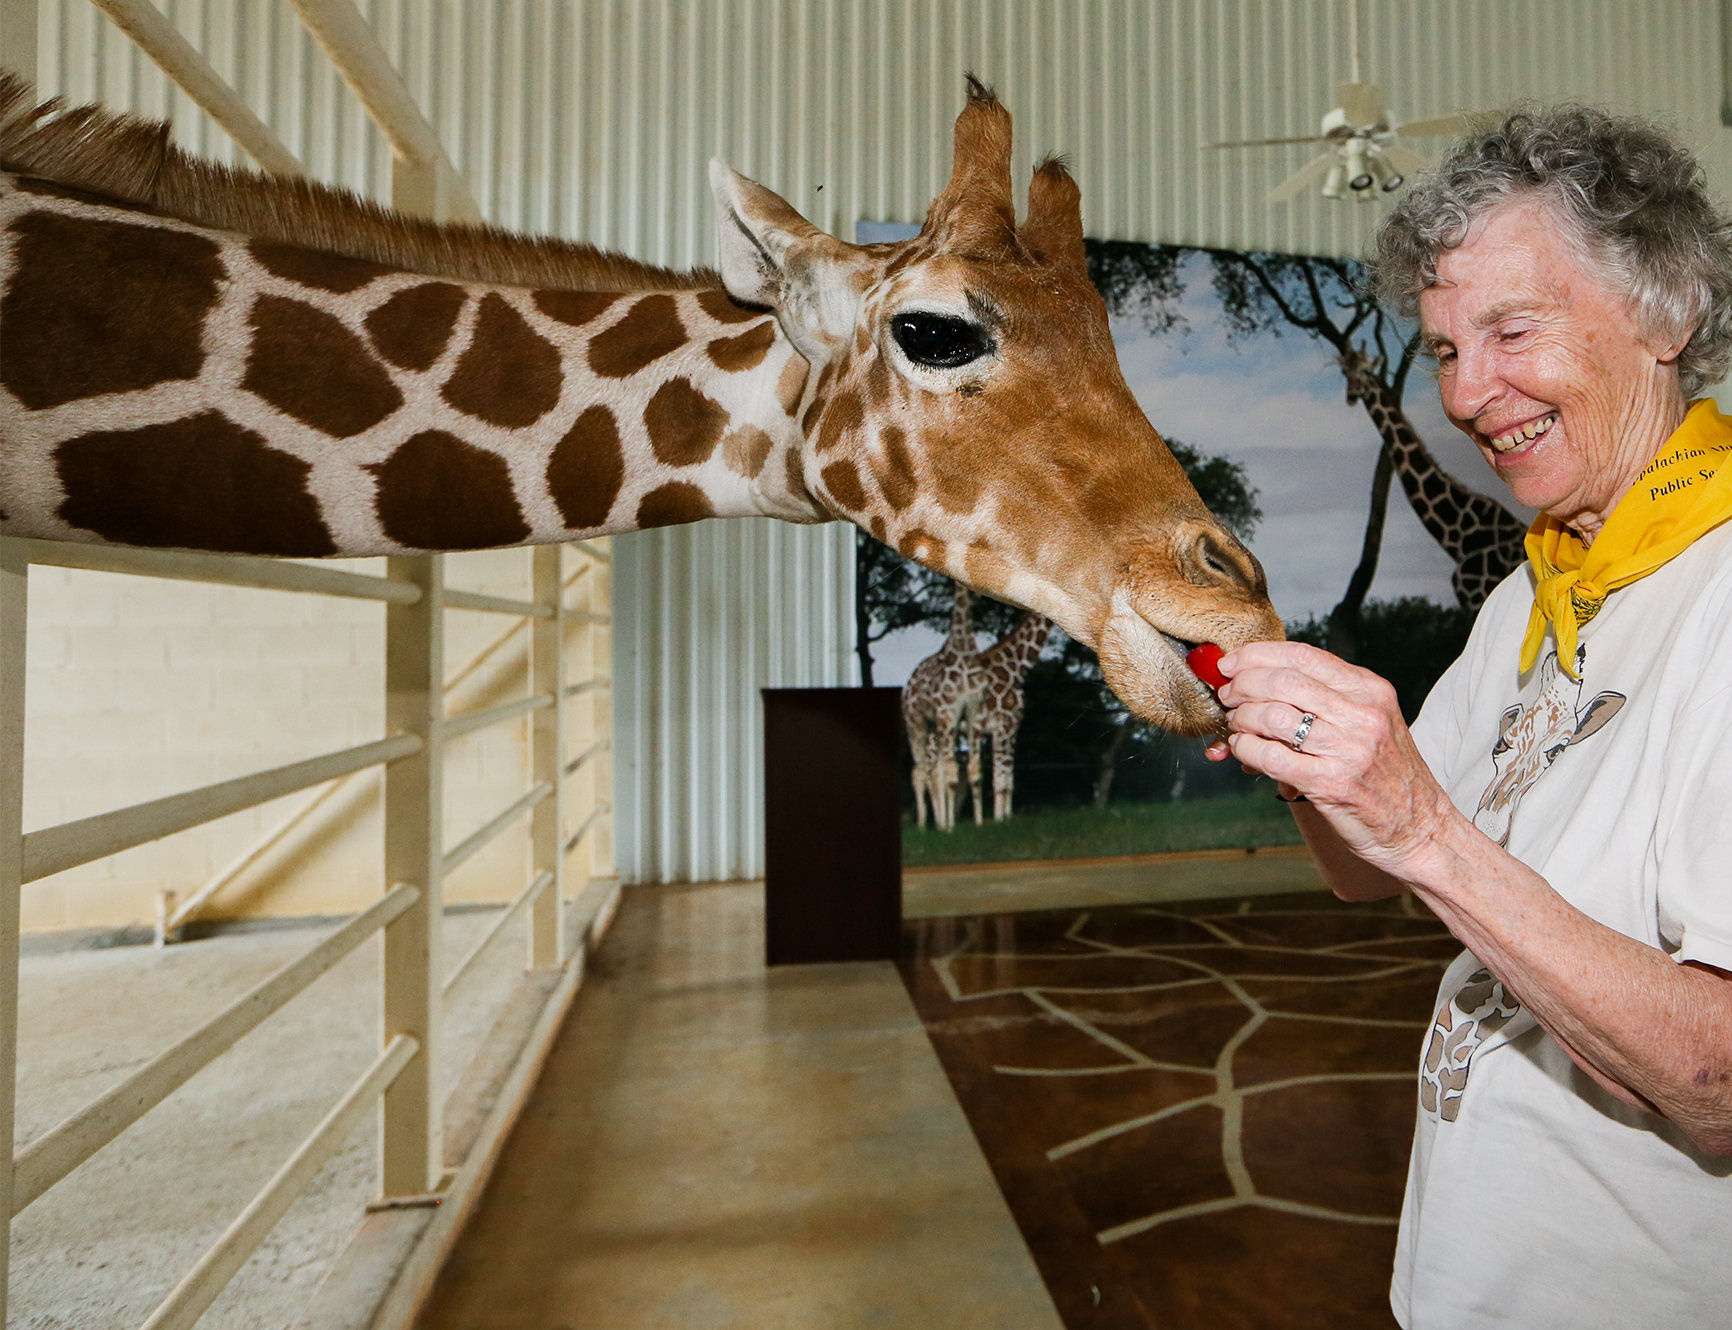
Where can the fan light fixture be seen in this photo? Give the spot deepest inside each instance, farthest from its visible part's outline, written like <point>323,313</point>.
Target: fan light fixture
<point>1360,177</point>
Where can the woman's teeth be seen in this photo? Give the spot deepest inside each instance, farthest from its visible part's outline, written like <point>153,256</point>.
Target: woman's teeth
<point>1508,443</point>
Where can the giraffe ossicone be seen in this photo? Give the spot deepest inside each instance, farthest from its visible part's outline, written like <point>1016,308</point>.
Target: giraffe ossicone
<point>201,358</point>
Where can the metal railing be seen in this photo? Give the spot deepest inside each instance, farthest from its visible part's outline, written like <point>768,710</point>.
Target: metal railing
<point>403,1081</point>
<point>404,1077</point>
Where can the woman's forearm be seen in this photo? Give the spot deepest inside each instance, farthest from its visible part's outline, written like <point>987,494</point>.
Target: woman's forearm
<point>1652,1032</point>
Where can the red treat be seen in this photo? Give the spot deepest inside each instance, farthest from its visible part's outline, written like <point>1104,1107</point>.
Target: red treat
<point>1205,663</point>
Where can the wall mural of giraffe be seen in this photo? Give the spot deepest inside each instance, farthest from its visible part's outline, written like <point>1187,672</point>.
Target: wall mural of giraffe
<point>1481,536</point>
<point>202,358</point>
<point>1003,669</point>
<point>938,704</point>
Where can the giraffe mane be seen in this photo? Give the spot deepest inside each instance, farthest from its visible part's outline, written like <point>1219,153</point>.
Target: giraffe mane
<point>131,160</point>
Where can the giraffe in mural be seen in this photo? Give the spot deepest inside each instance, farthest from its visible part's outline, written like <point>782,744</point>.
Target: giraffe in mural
<point>1003,670</point>
<point>938,705</point>
<point>200,358</point>
<point>1482,537</point>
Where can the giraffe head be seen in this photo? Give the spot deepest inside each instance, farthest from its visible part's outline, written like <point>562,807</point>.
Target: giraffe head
<point>1363,374</point>
<point>965,405</point>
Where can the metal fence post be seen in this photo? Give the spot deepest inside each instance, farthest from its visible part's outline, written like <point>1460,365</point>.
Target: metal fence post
<point>14,579</point>
<point>547,758</point>
<point>598,638</point>
<point>411,1121</point>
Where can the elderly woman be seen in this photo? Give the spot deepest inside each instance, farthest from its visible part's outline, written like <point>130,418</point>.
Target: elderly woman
<point>1564,801</point>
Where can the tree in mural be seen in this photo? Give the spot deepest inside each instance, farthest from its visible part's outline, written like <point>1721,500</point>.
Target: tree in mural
<point>1330,300</point>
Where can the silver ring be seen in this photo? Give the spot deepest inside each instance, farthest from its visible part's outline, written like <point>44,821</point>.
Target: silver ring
<point>1297,742</point>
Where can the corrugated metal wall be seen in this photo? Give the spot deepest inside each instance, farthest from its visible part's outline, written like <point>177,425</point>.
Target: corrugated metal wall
<point>595,120</point>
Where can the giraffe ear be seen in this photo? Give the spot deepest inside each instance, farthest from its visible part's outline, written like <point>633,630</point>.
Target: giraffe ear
<point>770,255</point>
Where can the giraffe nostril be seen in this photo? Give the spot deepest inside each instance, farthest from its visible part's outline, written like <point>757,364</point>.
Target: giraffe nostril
<point>1209,559</point>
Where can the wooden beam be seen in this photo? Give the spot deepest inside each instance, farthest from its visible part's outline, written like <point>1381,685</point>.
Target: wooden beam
<point>175,56</point>
<point>423,177</point>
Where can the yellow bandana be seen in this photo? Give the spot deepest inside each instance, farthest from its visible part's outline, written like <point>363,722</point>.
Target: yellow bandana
<point>1684,493</point>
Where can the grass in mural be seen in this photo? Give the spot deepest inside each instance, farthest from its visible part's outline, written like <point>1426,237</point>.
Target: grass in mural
<point>1228,821</point>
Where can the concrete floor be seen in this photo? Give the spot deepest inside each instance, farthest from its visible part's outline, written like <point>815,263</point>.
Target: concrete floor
<point>802,1109</point>
<point>101,1249</point>
<point>717,1146</point>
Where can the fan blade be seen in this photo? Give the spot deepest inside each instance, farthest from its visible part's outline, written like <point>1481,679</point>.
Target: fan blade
<point>1306,176</point>
<point>1266,143</point>
<point>1361,103</point>
<point>1460,123</point>
<point>1404,160</point>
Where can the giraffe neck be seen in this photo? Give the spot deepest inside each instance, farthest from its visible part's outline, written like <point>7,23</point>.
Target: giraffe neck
<point>960,640</point>
<point>1021,646</point>
<point>176,386</point>
<point>1449,511</point>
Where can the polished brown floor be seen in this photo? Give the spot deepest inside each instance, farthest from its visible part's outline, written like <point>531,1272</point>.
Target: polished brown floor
<point>1199,1113</point>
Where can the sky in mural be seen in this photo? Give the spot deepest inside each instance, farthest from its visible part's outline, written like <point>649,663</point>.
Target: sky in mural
<point>1277,404</point>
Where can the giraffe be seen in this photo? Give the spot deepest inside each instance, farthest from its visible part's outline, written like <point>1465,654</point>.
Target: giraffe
<point>1003,668</point>
<point>201,358</point>
<point>938,704</point>
<point>1482,537</point>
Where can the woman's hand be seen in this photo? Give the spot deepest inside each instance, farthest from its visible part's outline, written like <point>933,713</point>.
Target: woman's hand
<point>1353,759</point>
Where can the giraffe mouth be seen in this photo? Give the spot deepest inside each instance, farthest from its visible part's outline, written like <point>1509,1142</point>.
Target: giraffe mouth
<point>1181,648</point>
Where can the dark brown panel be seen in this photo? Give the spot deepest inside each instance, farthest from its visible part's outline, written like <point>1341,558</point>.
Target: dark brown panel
<point>832,824</point>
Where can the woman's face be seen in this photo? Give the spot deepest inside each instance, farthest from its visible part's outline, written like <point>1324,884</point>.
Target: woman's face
<point>1545,369</point>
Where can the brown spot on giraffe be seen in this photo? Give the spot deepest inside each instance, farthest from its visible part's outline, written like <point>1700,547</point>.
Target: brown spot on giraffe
<point>746,449</point>
<point>650,329</point>
<point>99,307</point>
<point>895,472</point>
<point>810,419</point>
<point>413,326</point>
<point>307,364</point>
<point>437,492</point>
<point>573,307</point>
<point>672,504</point>
<point>791,384</point>
<point>958,488</point>
<point>508,374</point>
<point>747,351</point>
<point>844,416</point>
<point>315,267</point>
<point>877,380</point>
<point>684,426</point>
<point>587,469</point>
<point>880,532</point>
<point>842,483</point>
<point>203,483</point>
<point>723,308</point>
<point>914,542</point>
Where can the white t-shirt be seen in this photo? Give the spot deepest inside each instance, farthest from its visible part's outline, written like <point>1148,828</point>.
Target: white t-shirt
<point>1534,1198</point>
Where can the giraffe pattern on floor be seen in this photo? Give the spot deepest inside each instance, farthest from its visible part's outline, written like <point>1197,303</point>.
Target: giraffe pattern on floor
<point>1200,1113</point>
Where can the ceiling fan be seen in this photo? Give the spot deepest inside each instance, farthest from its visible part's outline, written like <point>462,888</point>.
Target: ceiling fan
<point>1363,159</point>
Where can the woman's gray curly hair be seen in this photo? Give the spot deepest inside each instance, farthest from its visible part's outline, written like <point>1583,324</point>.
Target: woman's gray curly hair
<point>1634,207</point>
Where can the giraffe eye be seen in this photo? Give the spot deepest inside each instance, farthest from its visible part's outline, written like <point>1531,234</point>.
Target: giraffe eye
<point>939,341</point>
